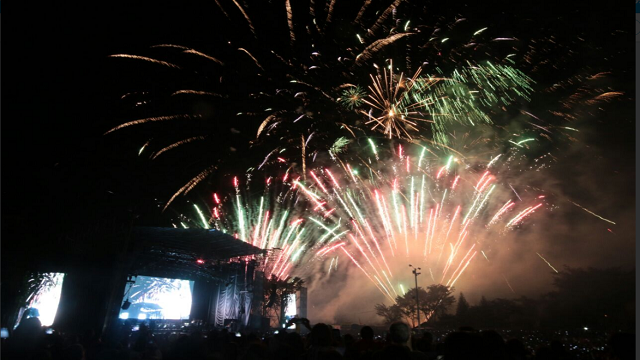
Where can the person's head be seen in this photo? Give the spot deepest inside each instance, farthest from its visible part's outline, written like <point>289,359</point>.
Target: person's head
<point>321,335</point>
<point>492,342</point>
<point>30,325</point>
<point>399,333</point>
<point>294,340</point>
<point>336,337</point>
<point>460,345</point>
<point>75,352</point>
<point>348,340</point>
<point>425,342</point>
<point>366,333</point>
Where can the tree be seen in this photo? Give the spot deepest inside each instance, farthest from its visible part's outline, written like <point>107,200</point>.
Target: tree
<point>462,311</point>
<point>434,302</point>
<point>503,312</point>
<point>389,313</point>
<point>528,316</point>
<point>276,296</point>
<point>407,303</point>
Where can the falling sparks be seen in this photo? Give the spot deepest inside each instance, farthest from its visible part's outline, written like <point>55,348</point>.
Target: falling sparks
<point>144,58</point>
<point>592,213</point>
<point>205,224</point>
<point>152,119</point>
<point>508,284</point>
<point>373,212</point>
<point>143,147</point>
<point>479,31</point>
<point>548,263</point>
<point>392,219</point>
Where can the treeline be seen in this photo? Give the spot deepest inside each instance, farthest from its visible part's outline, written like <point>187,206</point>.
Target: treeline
<point>597,299</point>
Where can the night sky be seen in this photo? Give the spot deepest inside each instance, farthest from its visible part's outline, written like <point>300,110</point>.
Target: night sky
<point>62,92</point>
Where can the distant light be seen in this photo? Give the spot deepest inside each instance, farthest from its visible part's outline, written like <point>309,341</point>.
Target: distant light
<point>124,315</point>
<point>586,328</point>
<point>142,316</point>
<point>200,261</point>
<point>238,334</point>
<point>276,332</point>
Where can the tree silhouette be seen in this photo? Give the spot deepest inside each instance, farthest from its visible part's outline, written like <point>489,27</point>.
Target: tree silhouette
<point>599,299</point>
<point>434,302</point>
<point>462,311</point>
<point>276,296</point>
<point>389,313</point>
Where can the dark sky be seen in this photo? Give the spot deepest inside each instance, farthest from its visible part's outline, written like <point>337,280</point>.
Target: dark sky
<point>61,94</point>
<point>65,96</point>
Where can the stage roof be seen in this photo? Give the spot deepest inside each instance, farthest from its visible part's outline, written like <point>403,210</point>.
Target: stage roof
<point>166,251</point>
<point>206,244</point>
<point>145,250</point>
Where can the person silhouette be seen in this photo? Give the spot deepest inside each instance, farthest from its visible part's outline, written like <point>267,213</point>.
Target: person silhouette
<point>25,339</point>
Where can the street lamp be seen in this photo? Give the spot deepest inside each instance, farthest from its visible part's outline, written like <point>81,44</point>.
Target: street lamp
<point>416,273</point>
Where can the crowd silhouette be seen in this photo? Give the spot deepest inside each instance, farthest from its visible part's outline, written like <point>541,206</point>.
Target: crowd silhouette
<point>31,341</point>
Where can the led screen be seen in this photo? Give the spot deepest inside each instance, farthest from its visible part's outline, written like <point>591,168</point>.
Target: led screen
<point>158,298</point>
<point>290,311</point>
<point>45,301</point>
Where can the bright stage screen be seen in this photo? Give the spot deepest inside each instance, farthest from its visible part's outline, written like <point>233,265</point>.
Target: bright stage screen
<point>47,298</point>
<point>158,298</point>
<point>290,311</point>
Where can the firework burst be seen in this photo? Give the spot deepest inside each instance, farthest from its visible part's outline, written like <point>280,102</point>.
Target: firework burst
<point>405,205</point>
<point>352,97</point>
<point>284,85</point>
<point>399,105</point>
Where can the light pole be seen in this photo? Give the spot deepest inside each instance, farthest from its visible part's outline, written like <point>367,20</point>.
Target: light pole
<point>416,273</point>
